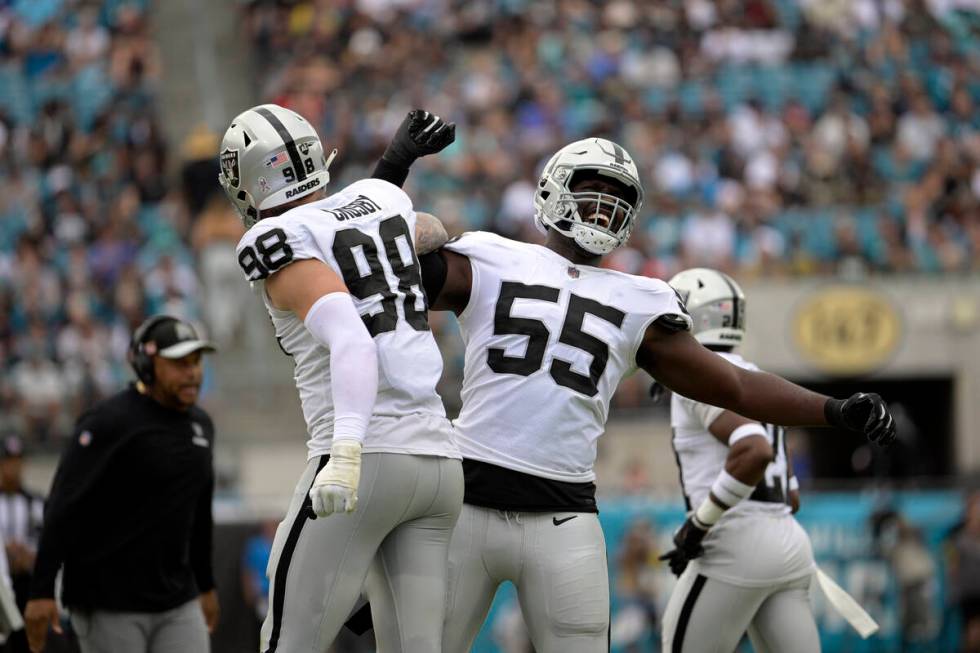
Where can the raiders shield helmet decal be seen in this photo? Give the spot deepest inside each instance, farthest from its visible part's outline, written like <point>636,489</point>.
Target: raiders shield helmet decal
<point>229,166</point>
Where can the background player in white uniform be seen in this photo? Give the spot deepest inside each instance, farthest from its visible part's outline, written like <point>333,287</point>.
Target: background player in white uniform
<point>340,279</point>
<point>750,561</point>
<point>548,336</point>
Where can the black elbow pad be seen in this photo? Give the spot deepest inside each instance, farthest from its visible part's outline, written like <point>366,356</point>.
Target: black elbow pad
<point>433,267</point>
<point>672,322</point>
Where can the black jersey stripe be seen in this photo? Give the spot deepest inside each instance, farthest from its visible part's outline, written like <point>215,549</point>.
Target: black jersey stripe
<point>680,470</point>
<point>685,615</point>
<point>287,138</point>
<point>282,566</point>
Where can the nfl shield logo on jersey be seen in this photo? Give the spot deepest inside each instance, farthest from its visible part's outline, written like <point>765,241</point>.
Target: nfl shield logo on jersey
<point>229,166</point>
<point>573,272</point>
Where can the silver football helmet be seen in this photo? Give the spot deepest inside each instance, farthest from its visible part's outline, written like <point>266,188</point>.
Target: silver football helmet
<point>269,156</point>
<point>608,219</point>
<point>716,304</point>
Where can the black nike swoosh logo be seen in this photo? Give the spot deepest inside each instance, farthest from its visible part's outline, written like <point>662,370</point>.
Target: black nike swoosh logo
<point>559,522</point>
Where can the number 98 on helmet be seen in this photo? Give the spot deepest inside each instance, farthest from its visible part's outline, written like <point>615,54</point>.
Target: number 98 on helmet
<point>270,156</point>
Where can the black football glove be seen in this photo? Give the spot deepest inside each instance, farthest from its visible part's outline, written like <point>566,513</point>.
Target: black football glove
<point>687,546</point>
<point>862,413</point>
<point>421,133</point>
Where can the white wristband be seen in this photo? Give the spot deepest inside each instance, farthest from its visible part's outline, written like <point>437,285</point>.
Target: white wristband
<point>794,483</point>
<point>708,513</point>
<point>729,490</point>
<point>746,431</point>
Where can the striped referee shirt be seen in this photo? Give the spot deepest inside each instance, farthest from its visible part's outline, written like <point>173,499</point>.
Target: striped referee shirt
<point>21,517</point>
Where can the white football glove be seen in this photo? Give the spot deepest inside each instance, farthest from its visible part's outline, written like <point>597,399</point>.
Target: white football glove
<point>335,486</point>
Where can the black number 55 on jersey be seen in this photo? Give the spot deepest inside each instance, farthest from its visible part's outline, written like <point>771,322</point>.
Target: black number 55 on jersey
<point>538,334</point>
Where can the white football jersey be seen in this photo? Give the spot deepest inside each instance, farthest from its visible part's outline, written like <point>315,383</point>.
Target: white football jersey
<point>366,233</point>
<point>547,342</point>
<point>701,456</point>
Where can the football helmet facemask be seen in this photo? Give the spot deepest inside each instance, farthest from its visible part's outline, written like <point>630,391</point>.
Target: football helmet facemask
<point>716,305</point>
<point>270,156</point>
<point>598,222</point>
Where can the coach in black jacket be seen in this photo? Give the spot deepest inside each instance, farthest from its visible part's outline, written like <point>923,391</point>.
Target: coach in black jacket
<point>129,515</point>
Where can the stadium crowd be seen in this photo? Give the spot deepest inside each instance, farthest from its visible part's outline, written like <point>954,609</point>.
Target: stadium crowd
<point>776,137</point>
<point>92,238</point>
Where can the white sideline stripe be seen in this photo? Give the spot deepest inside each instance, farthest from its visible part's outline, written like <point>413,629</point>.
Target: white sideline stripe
<point>846,606</point>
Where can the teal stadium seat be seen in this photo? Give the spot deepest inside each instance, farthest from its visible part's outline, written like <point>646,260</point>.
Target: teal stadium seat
<point>37,12</point>
<point>812,84</point>
<point>91,92</point>
<point>15,98</point>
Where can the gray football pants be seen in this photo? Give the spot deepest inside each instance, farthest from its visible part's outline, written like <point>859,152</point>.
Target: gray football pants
<point>407,506</point>
<point>557,562</point>
<point>706,615</point>
<point>181,630</point>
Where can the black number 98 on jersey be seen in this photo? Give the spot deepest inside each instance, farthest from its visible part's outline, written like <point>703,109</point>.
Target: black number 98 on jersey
<point>352,244</point>
<point>271,252</point>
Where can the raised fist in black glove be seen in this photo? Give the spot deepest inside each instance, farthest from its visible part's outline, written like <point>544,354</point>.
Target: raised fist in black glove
<point>687,546</point>
<point>862,413</point>
<point>420,133</point>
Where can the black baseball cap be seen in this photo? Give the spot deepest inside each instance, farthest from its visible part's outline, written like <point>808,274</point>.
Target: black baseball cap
<point>174,339</point>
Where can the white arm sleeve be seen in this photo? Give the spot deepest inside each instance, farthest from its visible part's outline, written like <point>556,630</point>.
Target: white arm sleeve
<point>706,414</point>
<point>335,323</point>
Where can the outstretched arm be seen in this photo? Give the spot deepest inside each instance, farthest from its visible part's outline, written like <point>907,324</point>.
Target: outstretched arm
<point>420,134</point>
<point>681,363</point>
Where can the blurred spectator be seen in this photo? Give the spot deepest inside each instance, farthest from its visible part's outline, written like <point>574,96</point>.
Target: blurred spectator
<point>840,129</point>
<point>255,559</point>
<point>635,624</point>
<point>636,477</point>
<point>215,236</point>
<point>915,572</point>
<point>509,630</point>
<point>21,518</point>
<point>920,129</point>
<point>88,41</point>
<point>39,390</point>
<point>964,573</point>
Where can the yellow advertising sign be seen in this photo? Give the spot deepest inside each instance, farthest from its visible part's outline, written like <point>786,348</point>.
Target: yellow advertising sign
<point>846,330</point>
